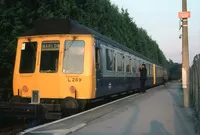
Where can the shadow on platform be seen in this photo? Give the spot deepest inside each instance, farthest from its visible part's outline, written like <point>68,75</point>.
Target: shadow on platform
<point>157,128</point>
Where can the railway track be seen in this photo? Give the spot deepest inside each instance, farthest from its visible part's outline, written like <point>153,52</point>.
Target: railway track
<point>12,130</point>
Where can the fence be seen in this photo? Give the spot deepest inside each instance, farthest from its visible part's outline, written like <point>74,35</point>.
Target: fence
<point>195,85</point>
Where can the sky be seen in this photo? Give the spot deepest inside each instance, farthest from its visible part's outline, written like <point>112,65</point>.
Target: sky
<point>160,19</point>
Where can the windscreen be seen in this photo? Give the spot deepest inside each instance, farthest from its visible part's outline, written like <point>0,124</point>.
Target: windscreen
<point>49,56</point>
<point>73,56</point>
<point>28,57</point>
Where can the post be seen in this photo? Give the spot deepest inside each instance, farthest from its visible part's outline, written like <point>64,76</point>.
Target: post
<point>185,57</point>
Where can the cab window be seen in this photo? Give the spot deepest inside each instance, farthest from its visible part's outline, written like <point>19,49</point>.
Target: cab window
<point>28,57</point>
<point>49,56</point>
<point>73,56</point>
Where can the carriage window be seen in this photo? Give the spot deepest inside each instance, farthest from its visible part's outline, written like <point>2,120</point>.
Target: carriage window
<point>115,64</point>
<point>133,66</point>
<point>120,62</point>
<point>109,60</point>
<point>137,65</point>
<point>73,57</point>
<point>147,67</point>
<point>150,69</point>
<point>28,57</point>
<point>128,64</point>
<point>49,56</point>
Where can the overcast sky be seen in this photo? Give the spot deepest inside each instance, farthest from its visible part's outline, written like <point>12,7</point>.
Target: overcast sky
<point>160,19</point>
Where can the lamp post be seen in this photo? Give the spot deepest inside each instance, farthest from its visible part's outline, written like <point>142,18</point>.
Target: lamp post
<point>184,15</point>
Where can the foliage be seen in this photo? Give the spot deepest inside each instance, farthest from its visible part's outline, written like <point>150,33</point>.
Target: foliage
<point>104,17</point>
<point>174,70</point>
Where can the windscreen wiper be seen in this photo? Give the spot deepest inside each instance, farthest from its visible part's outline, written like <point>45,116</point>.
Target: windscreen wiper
<point>71,43</point>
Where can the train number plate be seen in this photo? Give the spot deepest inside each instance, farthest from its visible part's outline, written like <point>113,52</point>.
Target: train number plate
<point>74,79</point>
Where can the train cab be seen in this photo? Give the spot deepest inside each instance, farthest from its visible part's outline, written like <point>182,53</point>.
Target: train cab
<point>55,65</point>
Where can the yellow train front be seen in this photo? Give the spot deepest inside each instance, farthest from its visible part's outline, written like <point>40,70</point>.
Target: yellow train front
<point>59,66</point>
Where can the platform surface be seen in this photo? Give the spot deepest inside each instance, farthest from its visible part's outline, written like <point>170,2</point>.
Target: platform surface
<point>157,112</point>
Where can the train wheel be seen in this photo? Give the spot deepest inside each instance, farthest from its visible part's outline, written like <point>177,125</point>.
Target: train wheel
<point>69,106</point>
<point>82,104</point>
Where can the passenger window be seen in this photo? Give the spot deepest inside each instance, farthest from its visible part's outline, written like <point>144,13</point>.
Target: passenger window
<point>128,64</point>
<point>150,70</point>
<point>137,65</point>
<point>147,67</point>
<point>109,60</point>
<point>123,63</point>
<point>28,57</point>
<point>49,56</point>
<point>133,66</point>
<point>115,64</point>
<point>120,62</point>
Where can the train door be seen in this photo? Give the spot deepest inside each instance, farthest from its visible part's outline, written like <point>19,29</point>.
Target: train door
<point>154,74</point>
<point>98,66</point>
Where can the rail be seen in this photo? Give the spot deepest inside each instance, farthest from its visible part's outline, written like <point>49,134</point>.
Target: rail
<point>194,80</point>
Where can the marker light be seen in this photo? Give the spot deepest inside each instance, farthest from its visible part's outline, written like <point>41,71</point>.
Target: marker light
<point>25,88</point>
<point>72,89</point>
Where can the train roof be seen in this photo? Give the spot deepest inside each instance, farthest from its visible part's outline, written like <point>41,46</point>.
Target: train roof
<point>67,26</point>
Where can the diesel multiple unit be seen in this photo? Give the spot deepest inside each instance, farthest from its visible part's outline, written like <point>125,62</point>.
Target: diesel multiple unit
<point>61,64</point>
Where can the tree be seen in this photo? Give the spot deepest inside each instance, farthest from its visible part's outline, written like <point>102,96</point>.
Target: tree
<point>101,15</point>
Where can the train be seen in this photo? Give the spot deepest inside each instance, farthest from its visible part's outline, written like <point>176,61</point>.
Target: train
<point>61,64</point>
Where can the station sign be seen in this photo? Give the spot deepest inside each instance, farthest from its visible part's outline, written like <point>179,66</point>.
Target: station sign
<point>185,14</point>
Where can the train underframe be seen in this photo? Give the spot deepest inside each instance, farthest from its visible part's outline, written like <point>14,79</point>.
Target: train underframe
<point>50,109</point>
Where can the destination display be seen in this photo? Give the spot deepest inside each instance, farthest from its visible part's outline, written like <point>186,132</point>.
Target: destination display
<point>50,46</point>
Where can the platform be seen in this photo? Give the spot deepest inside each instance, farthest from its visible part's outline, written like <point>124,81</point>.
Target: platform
<point>157,112</point>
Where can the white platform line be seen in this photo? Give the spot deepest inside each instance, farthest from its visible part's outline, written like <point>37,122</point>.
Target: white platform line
<point>63,131</point>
